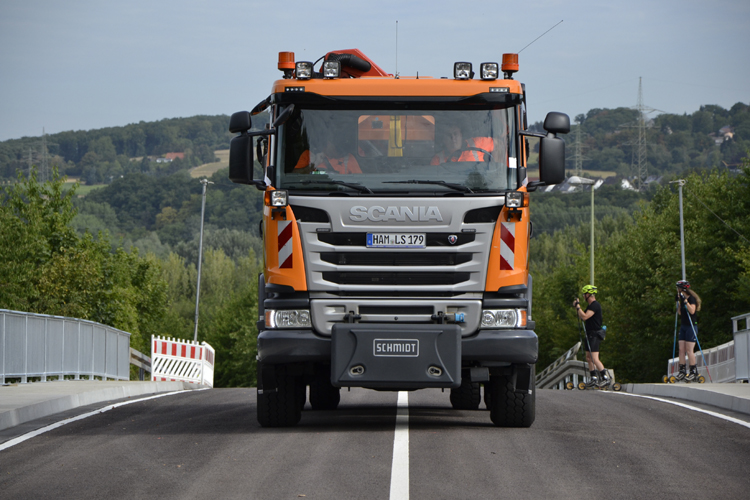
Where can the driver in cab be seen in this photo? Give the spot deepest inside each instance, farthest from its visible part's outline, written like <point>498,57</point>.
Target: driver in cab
<point>455,148</point>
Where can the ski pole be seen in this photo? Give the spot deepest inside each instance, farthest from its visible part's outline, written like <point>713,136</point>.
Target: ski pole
<point>699,345</point>
<point>674,340</point>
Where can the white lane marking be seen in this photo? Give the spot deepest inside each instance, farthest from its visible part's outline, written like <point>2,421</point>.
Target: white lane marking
<point>29,435</point>
<point>400,466</point>
<point>699,410</point>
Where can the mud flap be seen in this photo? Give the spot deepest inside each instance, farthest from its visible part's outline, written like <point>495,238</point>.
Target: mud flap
<point>388,356</point>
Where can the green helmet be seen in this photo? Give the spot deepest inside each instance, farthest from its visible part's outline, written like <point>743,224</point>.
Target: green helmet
<point>590,289</point>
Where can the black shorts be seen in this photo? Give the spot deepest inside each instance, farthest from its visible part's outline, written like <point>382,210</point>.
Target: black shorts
<point>593,340</point>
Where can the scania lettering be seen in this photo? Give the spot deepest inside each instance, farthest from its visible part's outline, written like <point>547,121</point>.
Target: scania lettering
<point>396,229</point>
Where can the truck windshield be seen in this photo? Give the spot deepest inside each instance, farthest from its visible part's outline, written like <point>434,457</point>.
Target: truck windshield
<point>396,151</point>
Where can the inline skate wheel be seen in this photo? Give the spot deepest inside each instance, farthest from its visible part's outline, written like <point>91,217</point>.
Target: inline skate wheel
<point>665,379</point>
<point>569,386</point>
<point>616,387</point>
<point>701,379</point>
<point>672,379</point>
<point>581,386</point>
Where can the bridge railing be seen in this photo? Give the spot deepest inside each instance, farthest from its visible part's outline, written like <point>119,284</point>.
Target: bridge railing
<point>42,346</point>
<point>564,369</point>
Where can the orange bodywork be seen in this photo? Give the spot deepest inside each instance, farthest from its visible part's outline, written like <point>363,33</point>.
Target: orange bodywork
<point>289,272</point>
<point>498,277</point>
<point>402,86</point>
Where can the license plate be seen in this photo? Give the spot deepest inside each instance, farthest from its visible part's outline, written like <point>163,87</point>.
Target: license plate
<point>407,348</point>
<point>396,240</point>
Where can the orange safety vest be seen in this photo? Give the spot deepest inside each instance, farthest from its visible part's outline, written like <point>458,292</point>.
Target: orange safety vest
<point>346,165</point>
<point>485,143</point>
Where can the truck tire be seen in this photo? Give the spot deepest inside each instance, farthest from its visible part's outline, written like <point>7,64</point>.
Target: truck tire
<point>280,408</point>
<point>509,408</point>
<point>323,395</point>
<point>466,397</point>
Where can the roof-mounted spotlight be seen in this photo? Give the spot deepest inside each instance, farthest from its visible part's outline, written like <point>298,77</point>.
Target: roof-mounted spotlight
<point>304,70</point>
<point>331,69</point>
<point>510,65</point>
<point>489,71</point>
<point>462,71</point>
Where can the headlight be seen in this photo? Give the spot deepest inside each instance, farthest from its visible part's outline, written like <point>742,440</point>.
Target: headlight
<point>303,70</point>
<point>288,318</point>
<point>503,318</point>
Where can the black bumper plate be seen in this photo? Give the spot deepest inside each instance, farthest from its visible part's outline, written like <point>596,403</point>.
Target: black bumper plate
<point>387,356</point>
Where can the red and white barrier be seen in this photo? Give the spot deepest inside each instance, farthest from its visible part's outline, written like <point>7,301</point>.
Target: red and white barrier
<point>182,360</point>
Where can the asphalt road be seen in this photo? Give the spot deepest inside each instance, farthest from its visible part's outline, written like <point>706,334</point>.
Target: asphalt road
<point>208,445</point>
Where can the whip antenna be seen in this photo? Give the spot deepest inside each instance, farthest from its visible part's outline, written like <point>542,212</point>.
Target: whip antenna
<point>540,36</point>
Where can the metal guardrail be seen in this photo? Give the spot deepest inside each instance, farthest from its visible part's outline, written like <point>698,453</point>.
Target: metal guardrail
<point>42,346</point>
<point>564,369</point>
<point>141,361</point>
<point>720,363</point>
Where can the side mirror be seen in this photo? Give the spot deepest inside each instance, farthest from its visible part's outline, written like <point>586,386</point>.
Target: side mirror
<point>283,116</point>
<point>557,123</point>
<point>552,149</point>
<point>241,159</point>
<point>240,122</point>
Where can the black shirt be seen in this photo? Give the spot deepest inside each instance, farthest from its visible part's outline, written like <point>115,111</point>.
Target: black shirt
<point>684,321</point>
<point>594,323</point>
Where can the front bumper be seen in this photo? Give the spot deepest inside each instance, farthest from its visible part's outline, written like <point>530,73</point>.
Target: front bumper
<point>492,346</point>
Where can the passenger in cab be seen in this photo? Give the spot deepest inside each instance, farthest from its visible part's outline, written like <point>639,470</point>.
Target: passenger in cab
<point>455,148</point>
<point>332,158</point>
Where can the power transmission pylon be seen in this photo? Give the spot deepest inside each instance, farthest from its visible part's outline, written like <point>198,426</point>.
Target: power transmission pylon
<point>578,157</point>
<point>640,149</point>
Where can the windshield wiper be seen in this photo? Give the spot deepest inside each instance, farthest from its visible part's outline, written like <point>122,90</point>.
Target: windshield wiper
<point>353,185</point>
<point>457,187</point>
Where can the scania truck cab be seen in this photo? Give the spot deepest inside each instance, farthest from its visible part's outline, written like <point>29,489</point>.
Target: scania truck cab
<point>396,231</point>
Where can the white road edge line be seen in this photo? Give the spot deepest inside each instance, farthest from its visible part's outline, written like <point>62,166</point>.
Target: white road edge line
<point>699,410</point>
<point>29,435</point>
<point>400,466</point>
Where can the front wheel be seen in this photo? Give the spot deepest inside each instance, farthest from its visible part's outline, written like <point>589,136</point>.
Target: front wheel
<point>581,386</point>
<point>701,379</point>
<point>665,379</point>
<point>672,379</point>
<point>280,408</point>
<point>323,395</point>
<point>509,408</point>
<point>569,386</point>
<point>616,387</point>
<point>467,396</point>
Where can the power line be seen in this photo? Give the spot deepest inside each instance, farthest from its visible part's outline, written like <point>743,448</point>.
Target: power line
<point>722,220</point>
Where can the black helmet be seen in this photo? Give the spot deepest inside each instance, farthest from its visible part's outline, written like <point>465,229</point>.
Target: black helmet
<point>683,285</point>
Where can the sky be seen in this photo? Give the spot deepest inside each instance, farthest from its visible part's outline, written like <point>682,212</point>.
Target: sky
<point>85,64</point>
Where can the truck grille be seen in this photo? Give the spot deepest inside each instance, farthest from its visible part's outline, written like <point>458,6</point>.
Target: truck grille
<point>381,278</point>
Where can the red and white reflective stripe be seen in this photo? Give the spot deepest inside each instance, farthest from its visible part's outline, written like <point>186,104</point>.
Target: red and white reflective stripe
<point>507,245</point>
<point>176,348</point>
<point>285,244</point>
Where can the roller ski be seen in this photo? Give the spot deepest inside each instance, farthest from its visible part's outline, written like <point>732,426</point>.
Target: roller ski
<point>601,383</point>
<point>683,376</point>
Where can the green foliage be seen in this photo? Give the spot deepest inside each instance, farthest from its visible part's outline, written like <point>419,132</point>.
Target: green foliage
<point>48,268</point>
<point>637,265</point>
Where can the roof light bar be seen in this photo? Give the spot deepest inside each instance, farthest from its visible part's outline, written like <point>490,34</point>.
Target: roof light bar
<point>462,71</point>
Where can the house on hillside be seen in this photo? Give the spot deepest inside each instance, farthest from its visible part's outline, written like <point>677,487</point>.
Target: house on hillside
<point>170,157</point>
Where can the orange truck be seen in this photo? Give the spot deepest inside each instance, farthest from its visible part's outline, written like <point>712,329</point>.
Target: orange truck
<point>396,231</point>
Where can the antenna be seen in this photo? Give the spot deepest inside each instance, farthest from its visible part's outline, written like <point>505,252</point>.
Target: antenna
<point>396,48</point>
<point>540,36</point>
